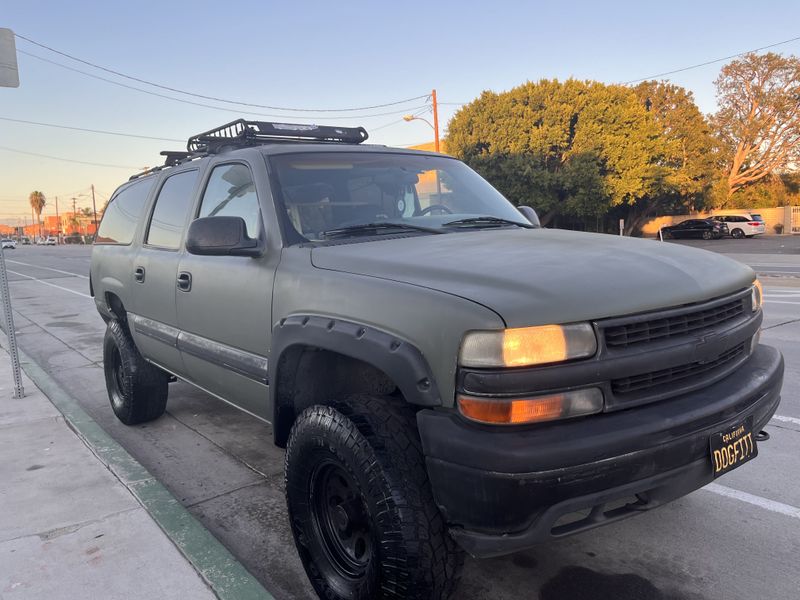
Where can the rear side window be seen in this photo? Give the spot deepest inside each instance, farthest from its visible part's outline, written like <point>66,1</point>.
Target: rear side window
<point>231,193</point>
<point>123,213</point>
<point>170,211</point>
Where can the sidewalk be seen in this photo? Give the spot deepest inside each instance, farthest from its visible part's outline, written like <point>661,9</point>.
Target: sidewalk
<point>69,529</point>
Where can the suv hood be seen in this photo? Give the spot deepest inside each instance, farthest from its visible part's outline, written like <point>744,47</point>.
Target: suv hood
<point>540,276</point>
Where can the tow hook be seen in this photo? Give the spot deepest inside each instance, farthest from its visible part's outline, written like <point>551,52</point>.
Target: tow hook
<point>762,436</point>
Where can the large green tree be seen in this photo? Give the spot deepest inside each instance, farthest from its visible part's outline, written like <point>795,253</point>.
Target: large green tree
<point>575,147</point>
<point>758,122</point>
<point>686,153</point>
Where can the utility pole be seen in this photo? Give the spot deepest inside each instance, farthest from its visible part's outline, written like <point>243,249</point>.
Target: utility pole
<point>58,223</point>
<point>94,209</point>
<point>435,120</point>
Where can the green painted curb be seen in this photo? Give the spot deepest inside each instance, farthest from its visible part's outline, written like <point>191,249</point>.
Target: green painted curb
<point>216,565</point>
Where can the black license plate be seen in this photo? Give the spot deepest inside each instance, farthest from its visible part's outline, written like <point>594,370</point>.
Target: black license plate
<point>733,447</point>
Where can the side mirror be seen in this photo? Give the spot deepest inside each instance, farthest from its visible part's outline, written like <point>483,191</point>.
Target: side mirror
<point>221,236</point>
<point>531,215</point>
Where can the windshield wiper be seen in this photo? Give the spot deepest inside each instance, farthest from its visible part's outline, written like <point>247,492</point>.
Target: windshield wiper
<point>485,220</point>
<point>375,229</point>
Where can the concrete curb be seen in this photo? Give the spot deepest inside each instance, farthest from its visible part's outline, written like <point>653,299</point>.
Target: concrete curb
<point>225,575</point>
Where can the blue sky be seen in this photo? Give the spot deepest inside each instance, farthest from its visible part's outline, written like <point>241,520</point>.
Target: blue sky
<point>324,55</point>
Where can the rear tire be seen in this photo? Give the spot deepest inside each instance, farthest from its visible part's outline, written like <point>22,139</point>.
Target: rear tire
<point>737,234</point>
<point>137,390</point>
<point>360,505</point>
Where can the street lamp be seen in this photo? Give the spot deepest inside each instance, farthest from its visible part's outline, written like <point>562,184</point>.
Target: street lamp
<point>413,118</point>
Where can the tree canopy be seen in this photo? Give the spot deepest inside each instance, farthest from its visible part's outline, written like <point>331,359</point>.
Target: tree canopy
<point>758,122</point>
<point>581,148</point>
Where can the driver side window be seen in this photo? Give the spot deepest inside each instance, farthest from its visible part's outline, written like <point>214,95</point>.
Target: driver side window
<point>231,192</point>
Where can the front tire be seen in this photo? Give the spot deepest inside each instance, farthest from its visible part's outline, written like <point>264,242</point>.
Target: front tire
<point>361,507</point>
<point>737,234</point>
<point>707,235</point>
<point>137,390</point>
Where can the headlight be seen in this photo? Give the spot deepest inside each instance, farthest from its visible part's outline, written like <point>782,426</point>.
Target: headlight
<point>756,296</point>
<point>499,411</point>
<point>527,346</point>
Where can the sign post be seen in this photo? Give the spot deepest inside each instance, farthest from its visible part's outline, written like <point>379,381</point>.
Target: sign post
<point>9,77</point>
<point>622,226</point>
<point>11,334</point>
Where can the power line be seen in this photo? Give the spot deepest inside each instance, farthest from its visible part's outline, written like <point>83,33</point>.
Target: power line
<point>421,111</point>
<point>131,135</point>
<point>385,125</point>
<point>201,104</point>
<point>709,62</point>
<point>214,98</point>
<point>80,162</point>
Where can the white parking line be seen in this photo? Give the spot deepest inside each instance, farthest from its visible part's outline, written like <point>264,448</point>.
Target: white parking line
<point>793,420</point>
<point>770,505</point>
<point>50,284</point>
<point>19,262</point>
<point>781,302</point>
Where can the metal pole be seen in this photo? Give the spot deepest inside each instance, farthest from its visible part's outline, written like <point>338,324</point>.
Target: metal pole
<point>435,120</point>
<point>94,210</point>
<point>5,297</point>
<point>58,223</point>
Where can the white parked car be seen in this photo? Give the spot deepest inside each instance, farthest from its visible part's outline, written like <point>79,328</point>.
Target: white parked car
<point>742,225</point>
<point>8,244</point>
<point>51,241</point>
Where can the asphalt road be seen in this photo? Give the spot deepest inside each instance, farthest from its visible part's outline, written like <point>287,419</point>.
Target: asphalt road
<point>736,539</point>
<point>769,255</point>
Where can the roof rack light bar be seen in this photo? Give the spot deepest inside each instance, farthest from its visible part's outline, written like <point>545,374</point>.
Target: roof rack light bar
<point>242,133</point>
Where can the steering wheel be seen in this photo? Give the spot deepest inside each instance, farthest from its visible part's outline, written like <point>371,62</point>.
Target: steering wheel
<point>428,209</point>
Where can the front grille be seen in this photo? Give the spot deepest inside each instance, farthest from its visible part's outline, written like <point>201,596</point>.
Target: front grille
<point>682,373</point>
<point>642,332</point>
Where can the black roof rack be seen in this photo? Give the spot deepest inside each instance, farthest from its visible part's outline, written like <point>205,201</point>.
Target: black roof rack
<point>242,133</point>
<point>174,157</point>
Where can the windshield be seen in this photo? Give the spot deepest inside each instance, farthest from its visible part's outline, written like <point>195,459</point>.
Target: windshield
<point>324,193</point>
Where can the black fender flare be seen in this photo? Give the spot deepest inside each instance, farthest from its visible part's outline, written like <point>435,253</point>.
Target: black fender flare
<point>400,360</point>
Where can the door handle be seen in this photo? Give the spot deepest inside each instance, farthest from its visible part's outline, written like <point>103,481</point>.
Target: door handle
<point>138,274</point>
<point>184,281</point>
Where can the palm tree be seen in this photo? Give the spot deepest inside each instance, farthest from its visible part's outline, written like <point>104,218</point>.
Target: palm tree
<point>74,223</point>
<point>37,201</point>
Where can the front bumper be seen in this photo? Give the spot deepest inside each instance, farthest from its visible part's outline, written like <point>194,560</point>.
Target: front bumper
<point>504,489</point>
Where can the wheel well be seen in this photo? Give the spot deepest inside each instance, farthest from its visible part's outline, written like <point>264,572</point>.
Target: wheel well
<point>306,376</point>
<point>116,308</point>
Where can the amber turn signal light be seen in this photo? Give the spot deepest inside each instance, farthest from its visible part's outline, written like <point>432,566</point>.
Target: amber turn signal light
<point>515,411</point>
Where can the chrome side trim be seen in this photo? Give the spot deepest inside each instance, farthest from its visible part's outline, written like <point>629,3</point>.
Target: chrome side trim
<point>155,329</point>
<point>244,363</point>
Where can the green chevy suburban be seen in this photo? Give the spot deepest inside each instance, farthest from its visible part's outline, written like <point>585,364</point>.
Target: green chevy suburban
<point>445,375</point>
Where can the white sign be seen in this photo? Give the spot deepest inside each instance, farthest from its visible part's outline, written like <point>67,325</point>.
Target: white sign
<point>9,73</point>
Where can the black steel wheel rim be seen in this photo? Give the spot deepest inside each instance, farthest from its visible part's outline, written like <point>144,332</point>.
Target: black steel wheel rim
<point>118,376</point>
<point>341,519</point>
